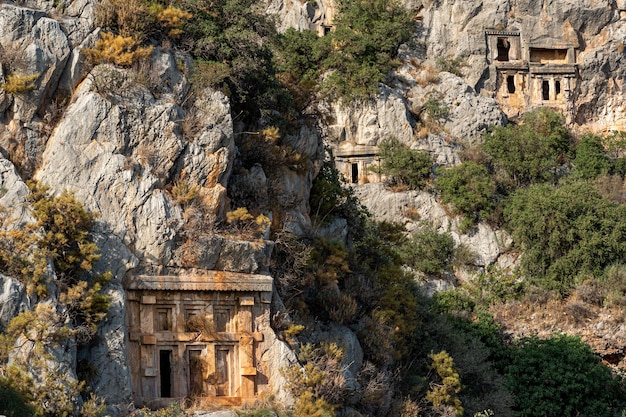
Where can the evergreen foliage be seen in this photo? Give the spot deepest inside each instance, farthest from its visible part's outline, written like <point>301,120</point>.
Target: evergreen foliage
<point>469,188</point>
<point>566,231</point>
<point>403,166</point>
<point>561,377</point>
<point>59,235</point>
<point>533,151</point>
<point>364,44</point>
<point>428,251</point>
<point>591,159</point>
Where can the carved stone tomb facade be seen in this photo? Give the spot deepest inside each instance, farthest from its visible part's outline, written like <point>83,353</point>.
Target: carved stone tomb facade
<point>531,74</point>
<point>359,164</point>
<point>195,336</point>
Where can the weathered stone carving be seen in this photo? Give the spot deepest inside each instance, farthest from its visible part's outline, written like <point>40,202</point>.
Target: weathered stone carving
<point>530,74</point>
<point>197,336</point>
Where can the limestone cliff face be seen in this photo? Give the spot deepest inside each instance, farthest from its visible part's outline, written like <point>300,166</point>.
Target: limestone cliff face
<point>122,143</point>
<point>590,33</point>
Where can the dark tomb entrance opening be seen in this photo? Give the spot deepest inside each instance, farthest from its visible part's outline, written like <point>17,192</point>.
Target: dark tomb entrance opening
<point>545,90</point>
<point>355,173</point>
<point>510,84</point>
<point>165,366</point>
<point>557,88</point>
<point>503,49</point>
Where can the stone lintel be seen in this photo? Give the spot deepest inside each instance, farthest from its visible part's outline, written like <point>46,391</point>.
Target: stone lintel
<point>511,66</point>
<point>495,32</point>
<point>176,337</point>
<point>347,149</point>
<point>202,281</point>
<point>552,69</point>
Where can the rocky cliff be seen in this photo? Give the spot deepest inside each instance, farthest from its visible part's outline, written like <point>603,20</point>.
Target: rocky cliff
<point>126,142</point>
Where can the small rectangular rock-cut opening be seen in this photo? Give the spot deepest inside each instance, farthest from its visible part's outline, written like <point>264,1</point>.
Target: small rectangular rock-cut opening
<point>355,173</point>
<point>545,90</point>
<point>510,84</point>
<point>547,56</point>
<point>557,88</point>
<point>165,370</point>
<point>197,335</point>
<point>504,47</point>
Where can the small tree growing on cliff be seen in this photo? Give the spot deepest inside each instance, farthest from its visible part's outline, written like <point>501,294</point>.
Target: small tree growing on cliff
<point>404,167</point>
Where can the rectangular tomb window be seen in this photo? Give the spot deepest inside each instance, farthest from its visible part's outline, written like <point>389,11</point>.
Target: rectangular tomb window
<point>163,319</point>
<point>557,88</point>
<point>510,84</point>
<point>504,47</point>
<point>545,90</point>
<point>222,319</point>
<point>355,173</point>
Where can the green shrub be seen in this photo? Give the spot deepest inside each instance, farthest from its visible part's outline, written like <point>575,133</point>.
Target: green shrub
<point>403,166</point>
<point>428,251</point>
<point>331,198</point>
<point>591,160</point>
<point>435,109</point>
<point>13,403</point>
<point>565,231</point>
<point>469,188</point>
<point>562,377</point>
<point>364,46</point>
<point>451,65</point>
<point>533,151</point>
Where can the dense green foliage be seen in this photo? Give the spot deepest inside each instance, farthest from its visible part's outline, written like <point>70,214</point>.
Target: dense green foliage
<point>404,166</point>
<point>428,251</point>
<point>561,377</point>
<point>469,188</point>
<point>533,151</point>
<point>566,231</point>
<point>330,199</point>
<point>358,54</point>
<point>13,403</point>
<point>364,44</point>
<point>591,159</point>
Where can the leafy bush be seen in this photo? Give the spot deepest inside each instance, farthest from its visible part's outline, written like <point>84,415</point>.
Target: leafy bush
<point>13,403</point>
<point>591,159</point>
<point>428,251</point>
<point>118,50</point>
<point>404,166</point>
<point>469,188</point>
<point>365,42</point>
<point>561,376</point>
<point>435,109</point>
<point>20,83</point>
<point>331,198</point>
<point>530,152</point>
<point>565,232</point>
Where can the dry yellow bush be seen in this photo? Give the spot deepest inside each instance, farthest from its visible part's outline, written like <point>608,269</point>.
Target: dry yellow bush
<point>125,17</point>
<point>118,50</point>
<point>173,19</point>
<point>20,83</point>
